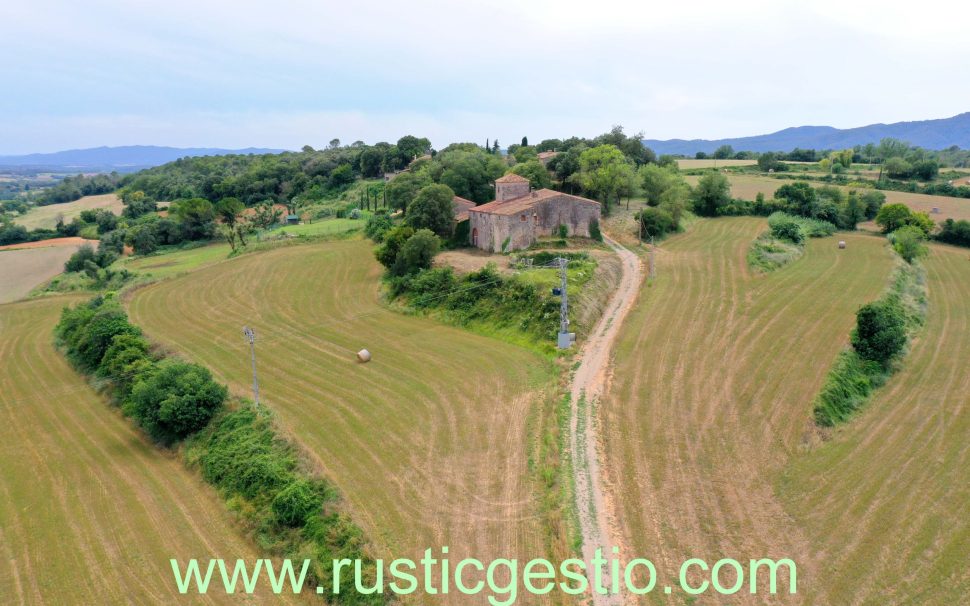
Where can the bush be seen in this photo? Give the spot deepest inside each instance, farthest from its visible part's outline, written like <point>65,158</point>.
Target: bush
<point>955,232</point>
<point>893,216</point>
<point>393,242</point>
<point>175,400</point>
<point>562,231</point>
<point>908,242</point>
<point>377,226</point>
<point>594,230</point>
<point>848,385</point>
<point>297,503</point>
<point>712,192</point>
<point>432,209</point>
<point>92,339</point>
<point>76,261</point>
<point>417,253</point>
<point>125,359</point>
<point>880,331</point>
<point>655,222</point>
<point>785,227</point>
<point>242,456</point>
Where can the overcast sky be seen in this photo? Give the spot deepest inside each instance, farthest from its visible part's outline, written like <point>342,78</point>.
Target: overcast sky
<point>284,73</point>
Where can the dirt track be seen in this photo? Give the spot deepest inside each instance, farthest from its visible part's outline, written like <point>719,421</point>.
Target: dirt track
<point>589,382</point>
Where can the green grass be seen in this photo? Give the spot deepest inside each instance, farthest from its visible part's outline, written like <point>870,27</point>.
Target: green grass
<point>768,253</point>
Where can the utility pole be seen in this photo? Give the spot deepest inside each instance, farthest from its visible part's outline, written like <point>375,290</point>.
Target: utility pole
<point>250,335</point>
<point>565,337</point>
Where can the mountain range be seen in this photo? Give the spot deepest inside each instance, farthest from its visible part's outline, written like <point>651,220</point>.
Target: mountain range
<point>930,134</point>
<point>123,159</point>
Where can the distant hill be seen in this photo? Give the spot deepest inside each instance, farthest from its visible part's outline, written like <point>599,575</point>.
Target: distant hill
<point>123,159</point>
<point>931,134</point>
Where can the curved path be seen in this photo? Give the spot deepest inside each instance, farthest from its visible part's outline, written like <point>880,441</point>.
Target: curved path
<point>588,383</point>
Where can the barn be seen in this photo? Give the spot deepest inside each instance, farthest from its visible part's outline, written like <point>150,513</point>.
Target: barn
<point>519,216</point>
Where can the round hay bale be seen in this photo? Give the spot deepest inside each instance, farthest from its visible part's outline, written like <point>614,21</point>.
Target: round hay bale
<point>363,356</point>
<point>841,243</point>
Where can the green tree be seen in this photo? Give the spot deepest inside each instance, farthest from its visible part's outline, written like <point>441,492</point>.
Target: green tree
<point>402,189</point>
<point>378,224</point>
<point>893,216</point>
<point>723,152</point>
<point>606,174</point>
<point>417,253</point>
<point>469,172</point>
<point>800,197</point>
<point>197,216</point>
<point>897,168</point>
<point>175,400</point>
<point>535,172</point>
<point>656,180</point>
<point>880,331</point>
<point>525,142</point>
<point>433,208</point>
<point>712,193</point>
<point>394,240</point>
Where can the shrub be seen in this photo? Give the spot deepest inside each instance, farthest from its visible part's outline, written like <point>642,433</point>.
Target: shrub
<point>393,242</point>
<point>242,456</point>
<point>92,340</point>
<point>848,385</point>
<point>955,232</point>
<point>416,253</point>
<point>562,231</point>
<point>712,192</point>
<point>175,400</point>
<point>655,222</point>
<point>594,230</point>
<point>377,226</point>
<point>880,331</point>
<point>908,242</point>
<point>893,216</point>
<point>76,262</point>
<point>786,227</point>
<point>297,503</point>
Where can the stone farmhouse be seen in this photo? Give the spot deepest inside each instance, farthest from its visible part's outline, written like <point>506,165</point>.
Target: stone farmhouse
<point>519,216</point>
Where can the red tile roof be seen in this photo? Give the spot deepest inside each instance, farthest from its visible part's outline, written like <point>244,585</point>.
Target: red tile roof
<point>511,178</point>
<point>461,206</point>
<point>526,202</point>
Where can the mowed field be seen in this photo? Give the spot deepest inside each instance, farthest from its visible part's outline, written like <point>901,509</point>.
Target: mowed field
<point>689,163</point>
<point>23,269</point>
<point>429,443</point>
<point>46,216</point>
<point>747,187</point>
<point>887,500</point>
<point>90,512</point>
<point>712,394</point>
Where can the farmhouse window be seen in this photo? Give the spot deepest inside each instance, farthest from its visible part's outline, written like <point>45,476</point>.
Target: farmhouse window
<point>522,218</point>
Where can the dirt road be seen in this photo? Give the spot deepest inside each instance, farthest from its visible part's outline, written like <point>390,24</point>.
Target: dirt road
<point>589,382</point>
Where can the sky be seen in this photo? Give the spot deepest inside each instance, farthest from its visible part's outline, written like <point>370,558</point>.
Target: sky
<point>282,74</point>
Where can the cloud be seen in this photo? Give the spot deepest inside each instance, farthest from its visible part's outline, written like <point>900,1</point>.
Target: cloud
<point>289,72</point>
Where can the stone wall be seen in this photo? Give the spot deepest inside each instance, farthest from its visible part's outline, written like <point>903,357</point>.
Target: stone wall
<point>508,191</point>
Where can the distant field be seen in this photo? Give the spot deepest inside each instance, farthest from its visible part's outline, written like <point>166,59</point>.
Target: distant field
<point>46,216</point>
<point>90,512</point>
<point>689,163</point>
<point>749,186</point>
<point>23,269</point>
<point>430,443</point>
<point>712,391</point>
<point>895,481</point>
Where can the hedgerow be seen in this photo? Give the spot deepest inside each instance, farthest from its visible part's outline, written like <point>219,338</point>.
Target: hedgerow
<point>883,329</point>
<point>289,512</point>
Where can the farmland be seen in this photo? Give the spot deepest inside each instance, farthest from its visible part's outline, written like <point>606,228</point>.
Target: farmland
<point>688,163</point>
<point>26,266</point>
<point>431,443</point>
<point>713,387</point>
<point>46,216</point>
<point>747,187</point>
<point>90,511</point>
<point>894,482</point>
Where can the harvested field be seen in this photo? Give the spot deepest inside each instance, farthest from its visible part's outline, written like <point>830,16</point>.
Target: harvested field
<point>747,187</point>
<point>430,443</point>
<point>689,163</point>
<point>46,216</point>
<point>886,500</point>
<point>715,373</point>
<point>90,511</point>
<point>24,267</point>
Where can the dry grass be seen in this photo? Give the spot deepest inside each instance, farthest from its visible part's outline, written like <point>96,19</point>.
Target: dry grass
<point>430,443</point>
<point>46,216</point>
<point>714,379</point>
<point>886,500</point>
<point>23,269</point>
<point>90,512</point>
<point>688,163</point>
